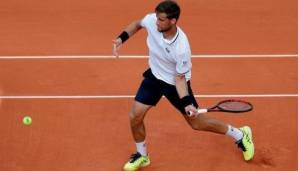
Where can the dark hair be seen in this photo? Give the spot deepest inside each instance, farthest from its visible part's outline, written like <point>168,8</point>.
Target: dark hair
<point>171,8</point>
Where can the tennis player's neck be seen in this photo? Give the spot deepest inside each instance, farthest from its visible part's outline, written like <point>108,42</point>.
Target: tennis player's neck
<point>170,34</point>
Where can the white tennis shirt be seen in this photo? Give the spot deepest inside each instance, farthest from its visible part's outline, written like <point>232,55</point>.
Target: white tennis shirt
<point>167,58</point>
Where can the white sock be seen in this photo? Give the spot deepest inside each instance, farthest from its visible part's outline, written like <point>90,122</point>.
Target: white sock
<point>141,148</point>
<point>234,133</point>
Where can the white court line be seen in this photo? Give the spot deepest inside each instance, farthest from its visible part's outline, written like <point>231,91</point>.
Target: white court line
<point>132,96</point>
<point>143,56</point>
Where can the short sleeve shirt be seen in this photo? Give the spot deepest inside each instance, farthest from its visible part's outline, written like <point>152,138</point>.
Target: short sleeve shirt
<point>167,58</point>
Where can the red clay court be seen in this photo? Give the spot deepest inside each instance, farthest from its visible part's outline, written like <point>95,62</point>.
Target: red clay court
<point>56,66</point>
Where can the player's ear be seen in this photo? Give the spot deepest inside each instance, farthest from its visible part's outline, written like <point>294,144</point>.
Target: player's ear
<point>173,21</point>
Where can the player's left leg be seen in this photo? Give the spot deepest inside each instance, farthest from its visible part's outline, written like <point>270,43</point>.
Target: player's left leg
<point>147,96</point>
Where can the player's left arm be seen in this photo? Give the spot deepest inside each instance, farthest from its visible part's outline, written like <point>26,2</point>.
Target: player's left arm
<point>129,31</point>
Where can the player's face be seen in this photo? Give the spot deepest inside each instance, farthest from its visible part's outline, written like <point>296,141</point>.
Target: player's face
<point>163,23</point>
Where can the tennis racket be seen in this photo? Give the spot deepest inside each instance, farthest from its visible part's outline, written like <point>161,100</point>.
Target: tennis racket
<point>231,106</point>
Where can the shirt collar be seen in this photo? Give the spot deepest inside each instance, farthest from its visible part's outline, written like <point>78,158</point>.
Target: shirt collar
<point>173,39</point>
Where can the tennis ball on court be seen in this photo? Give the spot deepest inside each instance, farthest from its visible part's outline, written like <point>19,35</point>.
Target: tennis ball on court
<point>27,120</point>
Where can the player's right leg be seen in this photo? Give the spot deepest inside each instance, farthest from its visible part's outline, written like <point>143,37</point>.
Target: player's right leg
<point>242,136</point>
<point>202,122</point>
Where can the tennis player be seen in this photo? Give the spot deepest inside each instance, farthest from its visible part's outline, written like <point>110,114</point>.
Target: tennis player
<point>169,75</point>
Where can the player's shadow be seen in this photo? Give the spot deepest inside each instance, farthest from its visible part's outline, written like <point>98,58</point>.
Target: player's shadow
<point>264,158</point>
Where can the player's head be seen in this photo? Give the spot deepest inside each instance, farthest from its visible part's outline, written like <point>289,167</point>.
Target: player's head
<point>167,13</point>
<point>170,8</point>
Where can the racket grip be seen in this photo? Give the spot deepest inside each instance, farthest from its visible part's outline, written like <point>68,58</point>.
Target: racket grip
<point>202,110</point>
<point>199,111</point>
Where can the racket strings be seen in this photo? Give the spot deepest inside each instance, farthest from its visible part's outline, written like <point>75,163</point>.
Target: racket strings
<point>235,106</point>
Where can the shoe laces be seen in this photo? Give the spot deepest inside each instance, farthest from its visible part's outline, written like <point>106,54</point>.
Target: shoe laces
<point>135,157</point>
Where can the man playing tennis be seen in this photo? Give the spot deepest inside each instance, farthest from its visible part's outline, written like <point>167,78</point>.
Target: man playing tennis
<point>169,75</point>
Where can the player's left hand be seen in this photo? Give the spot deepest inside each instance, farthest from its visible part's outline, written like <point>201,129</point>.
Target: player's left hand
<point>116,46</point>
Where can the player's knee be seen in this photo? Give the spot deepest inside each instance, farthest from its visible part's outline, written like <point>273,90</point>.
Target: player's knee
<point>199,124</point>
<point>196,126</point>
<point>135,117</point>
<point>204,124</point>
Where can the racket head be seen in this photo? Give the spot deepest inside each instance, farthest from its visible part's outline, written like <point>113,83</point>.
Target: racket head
<point>234,106</point>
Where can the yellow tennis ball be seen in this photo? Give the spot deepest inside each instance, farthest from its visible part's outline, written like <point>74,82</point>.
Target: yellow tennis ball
<point>27,120</point>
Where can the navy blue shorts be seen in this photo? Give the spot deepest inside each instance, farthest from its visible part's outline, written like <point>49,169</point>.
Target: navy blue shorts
<point>152,89</point>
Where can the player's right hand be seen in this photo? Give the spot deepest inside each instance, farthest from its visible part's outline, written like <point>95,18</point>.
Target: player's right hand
<point>116,46</point>
<point>191,111</point>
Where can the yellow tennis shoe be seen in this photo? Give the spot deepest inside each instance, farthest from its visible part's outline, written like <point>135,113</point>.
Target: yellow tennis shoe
<point>246,143</point>
<point>136,161</point>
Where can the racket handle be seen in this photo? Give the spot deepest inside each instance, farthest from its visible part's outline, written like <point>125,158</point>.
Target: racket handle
<point>202,110</point>
<point>199,111</point>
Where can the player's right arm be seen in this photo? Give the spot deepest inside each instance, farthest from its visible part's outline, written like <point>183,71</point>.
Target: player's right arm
<point>129,31</point>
